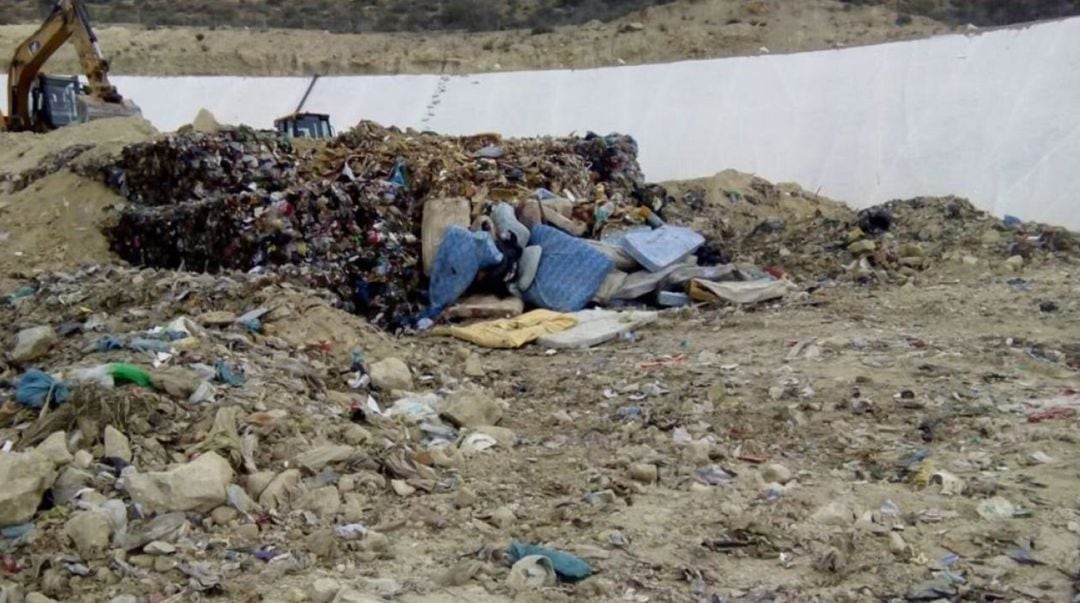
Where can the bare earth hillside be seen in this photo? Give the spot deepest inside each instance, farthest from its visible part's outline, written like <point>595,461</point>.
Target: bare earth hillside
<point>684,30</point>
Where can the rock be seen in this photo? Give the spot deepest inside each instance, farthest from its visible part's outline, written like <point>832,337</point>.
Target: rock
<point>217,318</point>
<point>835,513</point>
<point>863,246</point>
<point>390,374</point>
<point>644,472</point>
<point>505,437</point>
<point>402,488</point>
<point>911,250</point>
<point>473,366</point>
<point>503,517</point>
<point>346,484</point>
<point>89,531</point>
<point>322,543</point>
<point>39,598</point>
<point>316,459</point>
<point>55,449</point>
<point>159,547</point>
<point>117,445</point>
<point>143,561</point>
<point>324,502</point>
<point>472,409</point>
<point>25,477</point>
<point>897,546</point>
<point>465,497</point>
<point>83,459</point>
<point>631,27</point>
<point>280,492</point>
<point>991,237</point>
<point>196,486</point>
<point>354,434</point>
<point>970,260</point>
<point>257,482</point>
<point>33,343</point>
<point>176,381</point>
<point>248,532</point>
<point>164,564</point>
<point>353,509</point>
<point>223,515</point>
<point>776,473</point>
<point>323,590</point>
<point>1014,263</point>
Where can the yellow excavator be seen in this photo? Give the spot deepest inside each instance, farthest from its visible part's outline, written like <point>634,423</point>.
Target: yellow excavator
<point>39,102</point>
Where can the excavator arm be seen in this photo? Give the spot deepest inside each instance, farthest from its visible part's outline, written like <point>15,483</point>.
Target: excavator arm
<point>67,21</point>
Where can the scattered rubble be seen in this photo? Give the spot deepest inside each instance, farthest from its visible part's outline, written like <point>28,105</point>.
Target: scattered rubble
<point>897,427</point>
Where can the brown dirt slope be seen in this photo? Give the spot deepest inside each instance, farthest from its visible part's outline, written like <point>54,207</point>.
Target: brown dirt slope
<point>361,16</point>
<point>683,30</point>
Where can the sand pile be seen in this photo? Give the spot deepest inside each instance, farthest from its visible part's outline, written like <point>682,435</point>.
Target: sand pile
<point>49,214</point>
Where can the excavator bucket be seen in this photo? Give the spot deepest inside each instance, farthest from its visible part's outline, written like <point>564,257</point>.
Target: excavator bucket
<point>91,108</point>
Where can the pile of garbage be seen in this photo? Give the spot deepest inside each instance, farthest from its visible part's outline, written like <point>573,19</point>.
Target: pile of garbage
<point>401,225</point>
<point>789,230</point>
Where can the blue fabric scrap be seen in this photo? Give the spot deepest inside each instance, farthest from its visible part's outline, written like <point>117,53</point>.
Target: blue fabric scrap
<point>570,271</point>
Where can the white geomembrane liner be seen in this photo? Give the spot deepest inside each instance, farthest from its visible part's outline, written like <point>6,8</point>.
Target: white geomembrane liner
<point>993,117</point>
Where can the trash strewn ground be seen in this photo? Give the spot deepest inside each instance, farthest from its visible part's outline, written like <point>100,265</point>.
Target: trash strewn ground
<point>897,426</point>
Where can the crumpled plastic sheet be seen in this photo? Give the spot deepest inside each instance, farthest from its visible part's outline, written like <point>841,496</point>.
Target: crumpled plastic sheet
<point>569,568</point>
<point>37,388</point>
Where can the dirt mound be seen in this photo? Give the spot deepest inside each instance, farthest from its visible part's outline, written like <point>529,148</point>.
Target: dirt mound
<point>813,238</point>
<point>50,215</point>
<point>24,151</point>
<point>206,122</point>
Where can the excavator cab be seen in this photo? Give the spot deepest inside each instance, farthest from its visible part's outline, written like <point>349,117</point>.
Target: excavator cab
<point>54,103</point>
<point>305,125</point>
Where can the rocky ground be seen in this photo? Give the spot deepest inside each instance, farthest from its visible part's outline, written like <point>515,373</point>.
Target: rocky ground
<point>903,427</point>
<point>853,443</point>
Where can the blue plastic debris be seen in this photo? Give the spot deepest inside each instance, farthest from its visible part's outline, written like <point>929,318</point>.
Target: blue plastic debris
<point>569,568</point>
<point>37,388</point>
<point>109,344</point>
<point>16,531</point>
<point>461,256</point>
<point>229,375</point>
<point>659,248</point>
<point>570,271</point>
<point>400,175</point>
<point>1012,221</point>
<point>629,413</point>
<point>20,293</point>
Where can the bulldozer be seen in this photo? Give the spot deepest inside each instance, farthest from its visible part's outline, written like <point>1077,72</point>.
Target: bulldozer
<point>304,124</point>
<point>39,102</point>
